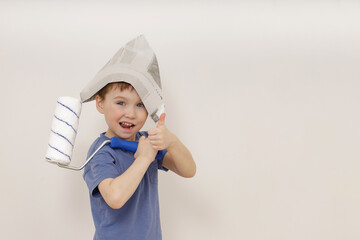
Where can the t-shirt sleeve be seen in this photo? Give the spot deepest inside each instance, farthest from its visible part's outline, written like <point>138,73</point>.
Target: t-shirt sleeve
<point>160,162</point>
<point>100,167</point>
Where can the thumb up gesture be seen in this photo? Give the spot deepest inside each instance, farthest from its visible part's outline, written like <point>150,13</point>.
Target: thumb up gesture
<point>161,121</point>
<point>160,137</point>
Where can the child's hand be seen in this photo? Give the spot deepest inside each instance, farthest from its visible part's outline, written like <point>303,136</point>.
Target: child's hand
<point>160,137</point>
<point>145,149</point>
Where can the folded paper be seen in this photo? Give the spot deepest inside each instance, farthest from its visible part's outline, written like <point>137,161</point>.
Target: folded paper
<point>136,64</point>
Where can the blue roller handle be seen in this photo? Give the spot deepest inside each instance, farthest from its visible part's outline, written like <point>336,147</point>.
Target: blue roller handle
<point>131,146</point>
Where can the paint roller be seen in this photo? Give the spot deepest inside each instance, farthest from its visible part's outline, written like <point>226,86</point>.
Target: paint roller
<point>136,64</point>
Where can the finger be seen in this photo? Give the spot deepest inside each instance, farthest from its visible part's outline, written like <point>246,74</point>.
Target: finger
<point>161,120</point>
<point>154,142</point>
<point>152,131</point>
<point>153,139</point>
<point>155,147</point>
<point>154,136</point>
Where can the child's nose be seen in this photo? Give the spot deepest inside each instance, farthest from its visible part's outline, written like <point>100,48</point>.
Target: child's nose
<point>130,112</point>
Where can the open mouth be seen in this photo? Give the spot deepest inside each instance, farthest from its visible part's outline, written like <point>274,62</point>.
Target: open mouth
<point>127,125</point>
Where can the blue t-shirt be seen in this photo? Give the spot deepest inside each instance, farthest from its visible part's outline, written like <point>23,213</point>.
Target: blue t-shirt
<point>139,218</point>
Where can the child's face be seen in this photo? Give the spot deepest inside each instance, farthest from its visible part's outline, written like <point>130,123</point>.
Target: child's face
<point>124,112</point>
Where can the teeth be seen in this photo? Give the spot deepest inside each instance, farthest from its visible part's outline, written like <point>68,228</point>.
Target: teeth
<point>127,124</point>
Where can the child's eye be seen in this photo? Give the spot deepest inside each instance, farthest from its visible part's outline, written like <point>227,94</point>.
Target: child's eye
<point>140,105</point>
<point>121,103</point>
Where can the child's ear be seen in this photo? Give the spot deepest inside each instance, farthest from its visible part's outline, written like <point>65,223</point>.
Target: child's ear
<point>99,104</point>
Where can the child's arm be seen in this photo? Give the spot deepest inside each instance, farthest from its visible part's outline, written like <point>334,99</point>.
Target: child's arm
<point>178,158</point>
<point>117,191</point>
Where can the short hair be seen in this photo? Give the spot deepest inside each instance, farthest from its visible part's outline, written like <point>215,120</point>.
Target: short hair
<point>118,85</point>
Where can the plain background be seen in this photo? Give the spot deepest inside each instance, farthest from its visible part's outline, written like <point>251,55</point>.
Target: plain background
<point>264,94</point>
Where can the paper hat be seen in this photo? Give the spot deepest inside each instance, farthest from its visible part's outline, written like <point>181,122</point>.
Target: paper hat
<point>136,64</point>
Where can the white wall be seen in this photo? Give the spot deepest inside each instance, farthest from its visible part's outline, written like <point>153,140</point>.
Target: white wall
<point>266,96</point>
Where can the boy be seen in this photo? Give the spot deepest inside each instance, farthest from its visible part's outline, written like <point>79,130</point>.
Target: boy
<point>123,186</point>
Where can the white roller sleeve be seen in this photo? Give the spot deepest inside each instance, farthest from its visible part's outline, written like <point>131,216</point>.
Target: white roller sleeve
<point>63,130</point>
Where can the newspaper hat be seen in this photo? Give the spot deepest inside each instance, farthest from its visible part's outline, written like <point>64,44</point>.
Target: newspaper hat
<point>136,64</point>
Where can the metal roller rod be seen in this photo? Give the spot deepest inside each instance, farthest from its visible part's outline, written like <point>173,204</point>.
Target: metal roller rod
<point>87,161</point>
